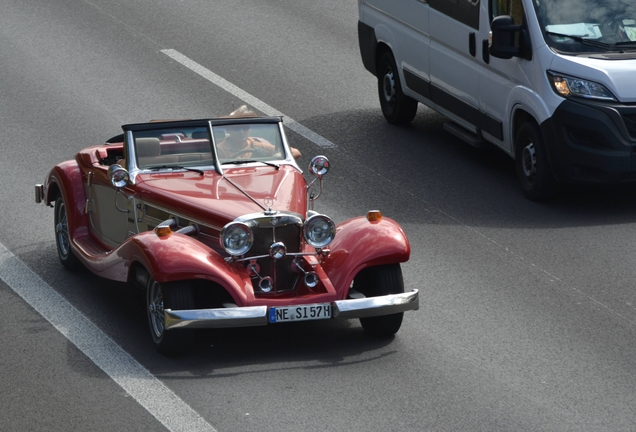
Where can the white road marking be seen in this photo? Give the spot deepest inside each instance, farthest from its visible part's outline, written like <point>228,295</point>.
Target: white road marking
<point>137,381</point>
<point>292,124</point>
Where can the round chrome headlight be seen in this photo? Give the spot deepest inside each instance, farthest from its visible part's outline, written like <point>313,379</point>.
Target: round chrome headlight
<point>236,238</point>
<point>118,176</point>
<point>319,231</point>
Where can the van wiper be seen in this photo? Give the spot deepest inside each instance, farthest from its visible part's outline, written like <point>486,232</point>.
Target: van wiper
<point>626,44</point>
<point>174,167</point>
<point>582,40</point>
<point>242,161</point>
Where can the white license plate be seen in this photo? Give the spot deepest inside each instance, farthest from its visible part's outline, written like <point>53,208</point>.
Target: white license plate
<point>300,313</point>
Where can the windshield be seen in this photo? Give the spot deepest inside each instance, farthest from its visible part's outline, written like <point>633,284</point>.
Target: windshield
<point>179,147</point>
<point>588,25</point>
<point>248,142</point>
<point>173,147</point>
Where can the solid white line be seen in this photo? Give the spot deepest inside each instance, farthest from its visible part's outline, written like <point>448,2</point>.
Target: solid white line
<point>292,124</point>
<point>136,380</point>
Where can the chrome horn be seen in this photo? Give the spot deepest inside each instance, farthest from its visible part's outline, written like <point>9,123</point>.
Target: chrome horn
<point>311,278</point>
<point>265,283</point>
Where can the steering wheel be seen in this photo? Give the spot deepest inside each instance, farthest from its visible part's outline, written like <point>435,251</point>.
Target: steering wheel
<point>254,151</point>
<point>615,31</point>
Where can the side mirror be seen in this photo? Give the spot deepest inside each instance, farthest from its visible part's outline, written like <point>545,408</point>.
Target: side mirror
<point>118,176</point>
<point>319,166</point>
<point>505,38</point>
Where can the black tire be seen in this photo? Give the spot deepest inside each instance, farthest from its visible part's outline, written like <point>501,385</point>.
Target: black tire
<point>396,106</point>
<point>532,165</point>
<point>63,238</point>
<point>176,296</point>
<point>379,281</point>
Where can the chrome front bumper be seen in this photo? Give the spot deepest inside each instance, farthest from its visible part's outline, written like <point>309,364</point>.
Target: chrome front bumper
<point>257,315</point>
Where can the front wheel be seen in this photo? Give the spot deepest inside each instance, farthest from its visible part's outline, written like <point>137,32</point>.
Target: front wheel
<point>532,165</point>
<point>176,296</point>
<point>379,281</point>
<point>396,106</point>
<point>63,238</point>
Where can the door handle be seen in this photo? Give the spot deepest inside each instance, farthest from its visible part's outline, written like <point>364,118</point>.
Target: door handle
<point>472,44</point>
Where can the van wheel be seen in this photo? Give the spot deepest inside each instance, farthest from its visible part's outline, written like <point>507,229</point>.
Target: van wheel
<point>531,161</point>
<point>396,107</point>
<point>176,296</point>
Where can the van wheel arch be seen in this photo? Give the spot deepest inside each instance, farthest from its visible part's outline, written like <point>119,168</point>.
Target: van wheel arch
<point>397,108</point>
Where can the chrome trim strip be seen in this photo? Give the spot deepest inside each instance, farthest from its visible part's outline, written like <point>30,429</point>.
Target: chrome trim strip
<point>376,306</point>
<point>216,318</point>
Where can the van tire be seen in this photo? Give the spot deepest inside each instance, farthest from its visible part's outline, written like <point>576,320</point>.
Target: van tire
<point>396,106</point>
<point>532,165</point>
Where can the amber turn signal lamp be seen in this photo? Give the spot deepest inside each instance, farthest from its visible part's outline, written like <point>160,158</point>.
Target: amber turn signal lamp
<point>374,216</point>
<point>163,231</point>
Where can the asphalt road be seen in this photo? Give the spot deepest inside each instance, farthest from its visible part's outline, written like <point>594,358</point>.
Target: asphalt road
<point>527,318</point>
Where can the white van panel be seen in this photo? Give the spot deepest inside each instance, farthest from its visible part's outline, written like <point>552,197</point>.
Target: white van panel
<point>403,26</point>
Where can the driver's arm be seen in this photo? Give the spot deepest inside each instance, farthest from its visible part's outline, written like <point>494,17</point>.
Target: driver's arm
<point>261,144</point>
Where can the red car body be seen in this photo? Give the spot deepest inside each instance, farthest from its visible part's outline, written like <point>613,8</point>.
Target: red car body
<point>168,219</point>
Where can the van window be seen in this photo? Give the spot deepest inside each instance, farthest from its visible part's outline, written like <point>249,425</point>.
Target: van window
<point>514,8</point>
<point>464,11</point>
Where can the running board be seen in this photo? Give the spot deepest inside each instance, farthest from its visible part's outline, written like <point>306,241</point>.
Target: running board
<point>463,134</point>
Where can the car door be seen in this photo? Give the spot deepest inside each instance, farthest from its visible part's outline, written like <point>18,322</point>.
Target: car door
<point>455,59</point>
<point>108,209</point>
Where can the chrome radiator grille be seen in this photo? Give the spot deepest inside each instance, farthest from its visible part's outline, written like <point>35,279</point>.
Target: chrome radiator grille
<point>285,228</point>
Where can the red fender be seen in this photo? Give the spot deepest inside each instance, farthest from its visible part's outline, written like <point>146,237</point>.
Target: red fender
<point>67,178</point>
<point>360,244</point>
<point>179,257</point>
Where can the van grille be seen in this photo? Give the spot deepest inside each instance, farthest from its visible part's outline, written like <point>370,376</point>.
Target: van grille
<point>630,124</point>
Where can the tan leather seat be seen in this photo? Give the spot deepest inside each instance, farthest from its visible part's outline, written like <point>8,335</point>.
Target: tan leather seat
<point>148,152</point>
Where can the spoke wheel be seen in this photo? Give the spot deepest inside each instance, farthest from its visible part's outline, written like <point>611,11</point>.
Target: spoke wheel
<point>379,281</point>
<point>396,106</point>
<point>63,238</point>
<point>532,165</point>
<point>175,296</point>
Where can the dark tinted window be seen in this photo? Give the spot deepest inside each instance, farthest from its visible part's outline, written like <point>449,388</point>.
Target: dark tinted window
<point>464,11</point>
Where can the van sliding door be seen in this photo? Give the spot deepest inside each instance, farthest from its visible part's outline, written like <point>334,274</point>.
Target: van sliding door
<point>456,59</point>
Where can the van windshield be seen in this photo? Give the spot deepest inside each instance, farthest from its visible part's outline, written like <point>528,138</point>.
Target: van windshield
<point>579,26</point>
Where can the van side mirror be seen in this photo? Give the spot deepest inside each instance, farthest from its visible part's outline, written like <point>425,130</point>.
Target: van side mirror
<point>506,38</point>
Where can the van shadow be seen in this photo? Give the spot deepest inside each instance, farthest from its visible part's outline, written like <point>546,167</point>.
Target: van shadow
<point>432,171</point>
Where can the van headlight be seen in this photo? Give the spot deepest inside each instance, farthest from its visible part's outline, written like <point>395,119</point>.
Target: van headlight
<point>236,238</point>
<point>567,86</point>
<point>319,231</point>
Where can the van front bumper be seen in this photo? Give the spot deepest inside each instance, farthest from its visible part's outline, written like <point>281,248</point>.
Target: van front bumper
<point>592,141</point>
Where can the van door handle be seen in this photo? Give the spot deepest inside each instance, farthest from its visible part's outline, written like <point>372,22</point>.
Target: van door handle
<point>485,54</point>
<point>472,44</point>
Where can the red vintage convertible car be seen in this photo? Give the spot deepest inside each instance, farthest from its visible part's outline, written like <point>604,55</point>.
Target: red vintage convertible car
<point>215,220</point>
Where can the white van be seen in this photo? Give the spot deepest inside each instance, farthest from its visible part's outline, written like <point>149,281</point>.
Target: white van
<point>550,82</point>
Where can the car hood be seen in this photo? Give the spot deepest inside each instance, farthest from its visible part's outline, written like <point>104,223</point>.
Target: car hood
<point>216,199</point>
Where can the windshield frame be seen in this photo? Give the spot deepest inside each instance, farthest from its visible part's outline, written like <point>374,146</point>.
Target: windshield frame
<point>181,132</point>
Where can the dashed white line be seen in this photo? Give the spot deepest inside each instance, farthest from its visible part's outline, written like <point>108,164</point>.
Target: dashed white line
<point>292,124</point>
<point>137,381</point>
